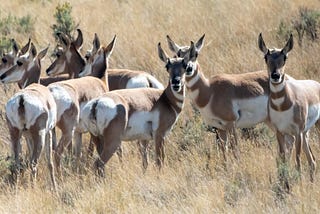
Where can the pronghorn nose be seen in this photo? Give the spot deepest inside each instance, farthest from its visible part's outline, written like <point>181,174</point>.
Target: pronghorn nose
<point>3,76</point>
<point>189,69</point>
<point>275,75</point>
<point>176,80</point>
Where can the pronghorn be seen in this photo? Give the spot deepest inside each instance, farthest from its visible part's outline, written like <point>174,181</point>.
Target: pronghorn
<point>26,70</point>
<point>32,112</point>
<point>68,59</point>
<point>9,59</point>
<point>117,78</point>
<point>225,101</point>
<point>70,96</point>
<point>136,114</point>
<point>294,105</point>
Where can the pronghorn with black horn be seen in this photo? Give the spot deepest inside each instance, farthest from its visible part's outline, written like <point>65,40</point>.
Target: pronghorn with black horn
<point>117,78</point>
<point>294,105</point>
<point>225,101</point>
<point>8,60</point>
<point>70,96</point>
<point>32,112</point>
<point>69,60</point>
<point>136,114</point>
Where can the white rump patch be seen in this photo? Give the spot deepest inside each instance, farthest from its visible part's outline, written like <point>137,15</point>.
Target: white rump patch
<point>106,110</point>
<point>62,99</point>
<point>139,81</point>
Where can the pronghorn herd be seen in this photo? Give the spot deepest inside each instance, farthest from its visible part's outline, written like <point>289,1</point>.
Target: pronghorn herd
<point>83,95</point>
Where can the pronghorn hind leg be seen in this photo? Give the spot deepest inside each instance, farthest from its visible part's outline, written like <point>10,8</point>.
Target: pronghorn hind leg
<point>39,139</point>
<point>15,136</point>
<point>49,148</point>
<point>310,156</point>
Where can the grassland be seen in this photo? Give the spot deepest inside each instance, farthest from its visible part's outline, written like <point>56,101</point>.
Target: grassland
<point>194,179</point>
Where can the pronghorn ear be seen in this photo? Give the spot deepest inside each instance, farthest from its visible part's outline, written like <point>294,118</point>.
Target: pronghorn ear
<point>199,43</point>
<point>262,45</point>
<point>193,54</point>
<point>95,43</point>
<point>108,50</point>
<point>15,47</point>
<point>162,54</point>
<point>25,48</point>
<point>288,47</point>
<point>172,45</point>
<point>33,50</point>
<point>43,53</point>
<point>79,41</point>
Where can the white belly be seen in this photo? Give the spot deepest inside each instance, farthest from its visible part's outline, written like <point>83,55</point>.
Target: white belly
<point>141,125</point>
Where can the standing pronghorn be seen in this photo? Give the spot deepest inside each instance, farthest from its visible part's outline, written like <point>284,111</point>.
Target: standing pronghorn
<point>117,78</point>
<point>32,112</point>
<point>136,114</point>
<point>70,96</point>
<point>294,105</point>
<point>225,101</point>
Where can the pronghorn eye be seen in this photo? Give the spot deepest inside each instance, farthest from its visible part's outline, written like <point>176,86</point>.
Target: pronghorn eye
<point>58,54</point>
<point>19,63</point>
<point>4,60</point>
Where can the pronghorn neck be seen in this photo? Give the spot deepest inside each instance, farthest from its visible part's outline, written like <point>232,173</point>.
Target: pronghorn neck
<point>197,86</point>
<point>279,97</point>
<point>175,99</point>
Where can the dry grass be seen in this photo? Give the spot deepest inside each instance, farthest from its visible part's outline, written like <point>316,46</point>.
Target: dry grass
<point>194,179</point>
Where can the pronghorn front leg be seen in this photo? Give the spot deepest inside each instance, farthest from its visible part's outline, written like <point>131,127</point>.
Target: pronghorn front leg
<point>234,142</point>
<point>143,148</point>
<point>298,144</point>
<point>222,142</point>
<point>283,171</point>
<point>160,154</point>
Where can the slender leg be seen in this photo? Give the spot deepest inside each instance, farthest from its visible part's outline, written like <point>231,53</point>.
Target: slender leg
<point>283,170</point>
<point>49,158</point>
<point>309,154</point>
<point>223,142</point>
<point>38,138</point>
<point>298,144</point>
<point>160,153</point>
<point>143,148</point>
<point>234,143</point>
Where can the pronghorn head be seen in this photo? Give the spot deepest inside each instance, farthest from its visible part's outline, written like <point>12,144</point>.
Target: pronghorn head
<point>176,67</point>
<point>69,60</point>
<point>24,65</point>
<point>182,51</point>
<point>9,59</point>
<point>97,59</point>
<point>275,59</point>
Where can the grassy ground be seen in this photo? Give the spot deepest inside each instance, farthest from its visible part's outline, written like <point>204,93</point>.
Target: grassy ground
<point>194,179</point>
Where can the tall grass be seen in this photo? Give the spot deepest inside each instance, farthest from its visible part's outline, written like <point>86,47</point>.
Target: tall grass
<point>194,179</point>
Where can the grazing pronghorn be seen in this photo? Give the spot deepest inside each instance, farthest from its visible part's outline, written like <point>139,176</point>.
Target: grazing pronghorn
<point>136,114</point>
<point>117,78</point>
<point>9,59</point>
<point>225,101</point>
<point>32,112</point>
<point>69,60</point>
<point>70,96</point>
<point>294,105</point>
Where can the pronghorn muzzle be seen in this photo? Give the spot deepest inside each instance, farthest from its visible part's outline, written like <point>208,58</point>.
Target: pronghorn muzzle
<point>176,83</point>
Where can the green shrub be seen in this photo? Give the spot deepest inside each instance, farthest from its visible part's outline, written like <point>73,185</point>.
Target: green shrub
<point>64,21</point>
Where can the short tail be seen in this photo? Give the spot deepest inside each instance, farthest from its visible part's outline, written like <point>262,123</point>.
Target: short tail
<point>21,108</point>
